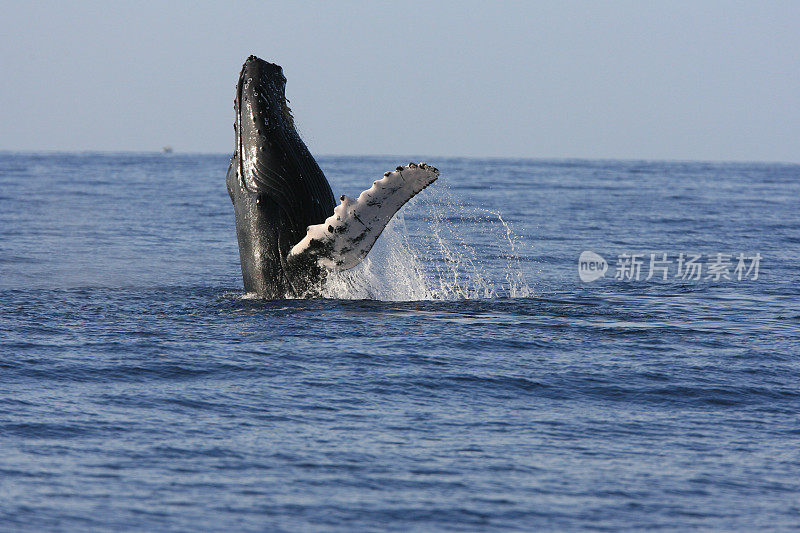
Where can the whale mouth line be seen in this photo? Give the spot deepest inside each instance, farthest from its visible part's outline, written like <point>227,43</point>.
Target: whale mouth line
<point>239,152</point>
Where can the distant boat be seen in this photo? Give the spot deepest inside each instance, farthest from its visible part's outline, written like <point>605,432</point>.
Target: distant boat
<point>166,150</point>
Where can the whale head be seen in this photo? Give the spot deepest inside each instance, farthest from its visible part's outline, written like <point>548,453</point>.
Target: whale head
<point>263,118</point>
<point>272,158</point>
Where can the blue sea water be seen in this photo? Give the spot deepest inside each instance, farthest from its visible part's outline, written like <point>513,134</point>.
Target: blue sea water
<point>463,379</point>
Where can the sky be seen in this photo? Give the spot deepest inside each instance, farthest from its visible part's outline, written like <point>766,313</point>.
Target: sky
<point>697,80</point>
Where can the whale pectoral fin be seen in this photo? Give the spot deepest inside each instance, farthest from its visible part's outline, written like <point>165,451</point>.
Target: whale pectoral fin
<point>346,237</point>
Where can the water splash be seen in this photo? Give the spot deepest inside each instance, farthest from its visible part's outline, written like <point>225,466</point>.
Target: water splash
<point>446,251</point>
<point>392,271</point>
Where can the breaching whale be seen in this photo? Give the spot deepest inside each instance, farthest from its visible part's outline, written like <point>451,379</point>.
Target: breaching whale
<point>289,228</point>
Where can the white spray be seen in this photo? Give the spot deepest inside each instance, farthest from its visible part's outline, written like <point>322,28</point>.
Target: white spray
<point>451,252</point>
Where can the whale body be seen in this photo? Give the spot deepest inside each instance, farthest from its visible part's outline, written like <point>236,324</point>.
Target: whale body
<point>290,230</point>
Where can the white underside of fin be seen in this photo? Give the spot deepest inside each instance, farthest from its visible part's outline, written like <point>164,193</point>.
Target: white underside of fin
<point>346,237</point>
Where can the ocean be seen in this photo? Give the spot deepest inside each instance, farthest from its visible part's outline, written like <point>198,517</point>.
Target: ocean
<point>471,375</point>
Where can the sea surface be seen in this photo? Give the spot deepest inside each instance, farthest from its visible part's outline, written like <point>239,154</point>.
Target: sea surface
<point>464,378</point>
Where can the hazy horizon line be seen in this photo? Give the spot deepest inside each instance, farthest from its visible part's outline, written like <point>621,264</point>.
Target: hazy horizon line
<point>396,156</point>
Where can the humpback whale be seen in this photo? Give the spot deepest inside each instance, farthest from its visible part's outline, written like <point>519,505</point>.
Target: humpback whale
<point>290,230</point>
